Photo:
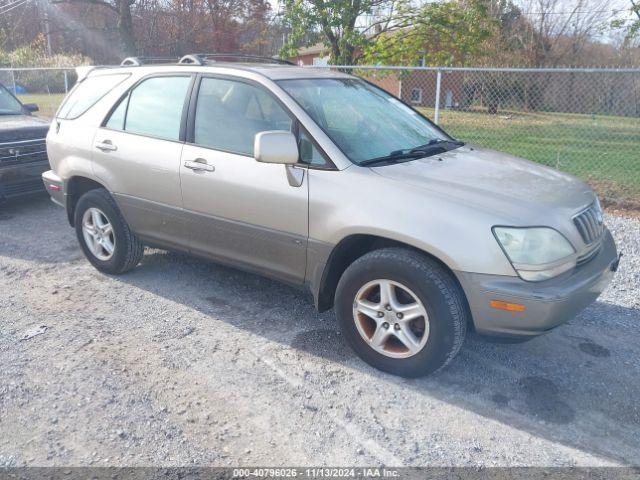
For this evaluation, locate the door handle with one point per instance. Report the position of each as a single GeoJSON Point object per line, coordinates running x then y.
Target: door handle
{"type": "Point", "coordinates": [106, 146]}
{"type": "Point", "coordinates": [199, 165]}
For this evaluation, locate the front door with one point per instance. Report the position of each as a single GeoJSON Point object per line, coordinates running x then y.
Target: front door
{"type": "Point", "coordinates": [137, 153]}
{"type": "Point", "coordinates": [241, 211]}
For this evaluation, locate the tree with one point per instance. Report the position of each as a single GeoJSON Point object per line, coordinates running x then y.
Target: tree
{"type": "Point", "coordinates": [340, 24]}
{"type": "Point", "coordinates": [124, 19]}
{"type": "Point", "coordinates": [559, 29]}
{"type": "Point", "coordinates": [446, 33]}
{"type": "Point", "coordinates": [630, 26]}
{"type": "Point", "coordinates": [635, 26]}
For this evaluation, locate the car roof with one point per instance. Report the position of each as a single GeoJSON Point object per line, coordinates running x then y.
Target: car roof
{"type": "Point", "coordinates": [269, 70]}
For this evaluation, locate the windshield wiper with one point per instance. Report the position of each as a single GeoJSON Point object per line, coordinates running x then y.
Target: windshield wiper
{"type": "Point", "coordinates": [393, 157]}
{"type": "Point", "coordinates": [436, 142]}
{"type": "Point", "coordinates": [434, 147]}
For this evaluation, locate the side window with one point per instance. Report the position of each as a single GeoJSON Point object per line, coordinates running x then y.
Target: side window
{"type": "Point", "coordinates": [116, 120]}
{"type": "Point", "coordinates": [87, 93]}
{"type": "Point", "coordinates": [229, 113]}
{"type": "Point", "coordinates": [309, 154]}
{"type": "Point", "coordinates": [155, 107]}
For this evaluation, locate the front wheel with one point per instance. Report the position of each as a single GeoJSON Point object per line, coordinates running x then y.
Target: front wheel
{"type": "Point", "coordinates": [401, 311]}
{"type": "Point", "coordinates": [104, 235]}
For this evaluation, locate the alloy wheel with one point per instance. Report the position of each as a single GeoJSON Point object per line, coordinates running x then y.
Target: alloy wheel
{"type": "Point", "coordinates": [391, 318]}
{"type": "Point", "coordinates": [98, 234]}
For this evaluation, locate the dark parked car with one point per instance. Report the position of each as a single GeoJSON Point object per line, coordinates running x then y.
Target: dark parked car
{"type": "Point", "coordinates": [23, 153]}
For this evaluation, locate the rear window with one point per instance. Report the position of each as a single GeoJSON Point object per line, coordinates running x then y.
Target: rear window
{"type": "Point", "coordinates": [87, 93]}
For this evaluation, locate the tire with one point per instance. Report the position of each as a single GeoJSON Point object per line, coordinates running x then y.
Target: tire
{"type": "Point", "coordinates": [127, 250]}
{"type": "Point", "coordinates": [410, 274]}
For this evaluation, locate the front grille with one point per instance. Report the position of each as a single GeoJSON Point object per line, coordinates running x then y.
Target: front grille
{"type": "Point", "coordinates": [27, 151]}
{"type": "Point", "coordinates": [589, 223]}
{"type": "Point", "coordinates": [21, 187]}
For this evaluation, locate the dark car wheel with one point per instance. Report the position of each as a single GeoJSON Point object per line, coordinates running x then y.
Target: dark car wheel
{"type": "Point", "coordinates": [401, 311]}
{"type": "Point", "coordinates": [104, 235]}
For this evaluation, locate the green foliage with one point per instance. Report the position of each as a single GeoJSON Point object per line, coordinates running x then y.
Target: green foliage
{"type": "Point", "coordinates": [34, 55]}
{"type": "Point", "coordinates": [629, 26]}
{"type": "Point", "coordinates": [331, 21]}
{"type": "Point", "coordinates": [443, 34]}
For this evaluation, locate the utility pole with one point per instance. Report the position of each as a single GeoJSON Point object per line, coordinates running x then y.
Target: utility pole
{"type": "Point", "coordinates": [43, 7]}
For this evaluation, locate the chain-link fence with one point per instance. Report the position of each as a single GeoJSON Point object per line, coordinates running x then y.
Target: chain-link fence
{"type": "Point", "coordinates": [583, 121]}
{"type": "Point", "coordinates": [45, 87]}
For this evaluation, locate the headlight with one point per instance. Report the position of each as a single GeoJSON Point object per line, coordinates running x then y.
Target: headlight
{"type": "Point", "coordinates": [537, 253]}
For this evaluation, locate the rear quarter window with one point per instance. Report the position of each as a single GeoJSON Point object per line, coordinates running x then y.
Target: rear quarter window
{"type": "Point", "coordinates": [87, 93]}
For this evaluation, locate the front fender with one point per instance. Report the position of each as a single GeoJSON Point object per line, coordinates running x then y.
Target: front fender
{"type": "Point", "coordinates": [356, 201]}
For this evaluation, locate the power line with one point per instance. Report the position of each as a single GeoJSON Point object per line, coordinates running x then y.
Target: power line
{"type": "Point", "coordinates": [9, 3]}
{"type": "Point", "coordinates": [19, 4]}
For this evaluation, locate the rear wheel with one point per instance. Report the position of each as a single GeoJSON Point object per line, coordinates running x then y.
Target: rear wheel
{"type": "Point", "coordinates": [104, 235]}
{"type": "Point", "coordinates": [401, 311]}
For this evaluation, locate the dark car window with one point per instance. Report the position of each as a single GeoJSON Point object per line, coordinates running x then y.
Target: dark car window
{"type": "Point", "coordinates": [154, 107]}
{"type": "Point", "coordinates": [229, 114]}
{"type": "Point", "coordinates": [309, 154]}
{"type": "Point", "coordinates": [8, 103]}
{"type": "Point", "coordinates": [87, 93]}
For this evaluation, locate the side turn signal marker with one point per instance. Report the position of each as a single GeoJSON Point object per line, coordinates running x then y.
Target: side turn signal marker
{"type": "Point", "coordinates": [510, 307]}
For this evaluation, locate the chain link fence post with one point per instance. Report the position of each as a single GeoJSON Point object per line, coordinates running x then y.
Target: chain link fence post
{"type": "Point", "coordinates": [13, 81]}
{"type": "Point", "coordinates": [436, 112]}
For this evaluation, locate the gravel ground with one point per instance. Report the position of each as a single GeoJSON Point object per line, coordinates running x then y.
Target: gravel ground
{"type": "Point", "coordinates": [183, 362]}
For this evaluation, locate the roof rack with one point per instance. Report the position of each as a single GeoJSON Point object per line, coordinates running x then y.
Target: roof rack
{"type": "Point", "coordinates": [192, 59]}
{"type": "Point", "coordinates": [202, 58]}
{"type": "Point", "coordinates": [137, 61]}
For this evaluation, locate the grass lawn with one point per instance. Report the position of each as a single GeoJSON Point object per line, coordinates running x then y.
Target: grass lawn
{"type": "Point", "coordinates": [604, 150]}
{"type": "Point", "coordinates": [48, 103]}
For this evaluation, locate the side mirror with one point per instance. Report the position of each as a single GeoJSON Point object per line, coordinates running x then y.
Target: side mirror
{"type": "Point", "coordinates": [275, 146]}
{"type": "Point", "coordinates": [31, 107]}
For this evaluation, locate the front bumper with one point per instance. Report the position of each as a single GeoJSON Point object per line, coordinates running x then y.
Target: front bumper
{"type": "Point", "coordinates": [547, 304]}
{"type": "Point", "coordinates": [21, 179]}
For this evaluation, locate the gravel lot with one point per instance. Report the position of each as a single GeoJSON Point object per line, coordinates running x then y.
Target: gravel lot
{"type": "Point", "coordinates": [183, 362]}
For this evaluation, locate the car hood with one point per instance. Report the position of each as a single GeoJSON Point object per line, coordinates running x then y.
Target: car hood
{"type": "Point", "coordinates": [521, 191]}
{"type": "Point", "coordinates": [22, 127]}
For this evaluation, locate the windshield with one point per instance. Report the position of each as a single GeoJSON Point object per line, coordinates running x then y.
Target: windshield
{"type": "Point", "coordinates": [8, 103]}
{"type": "Point", "coordinates": [364, 121]}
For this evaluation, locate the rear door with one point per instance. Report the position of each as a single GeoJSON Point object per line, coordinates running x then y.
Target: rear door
{"type": "Point", "coordinates": [241, 211]}
{"type": "Point", "coordinates": [137, 151]}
